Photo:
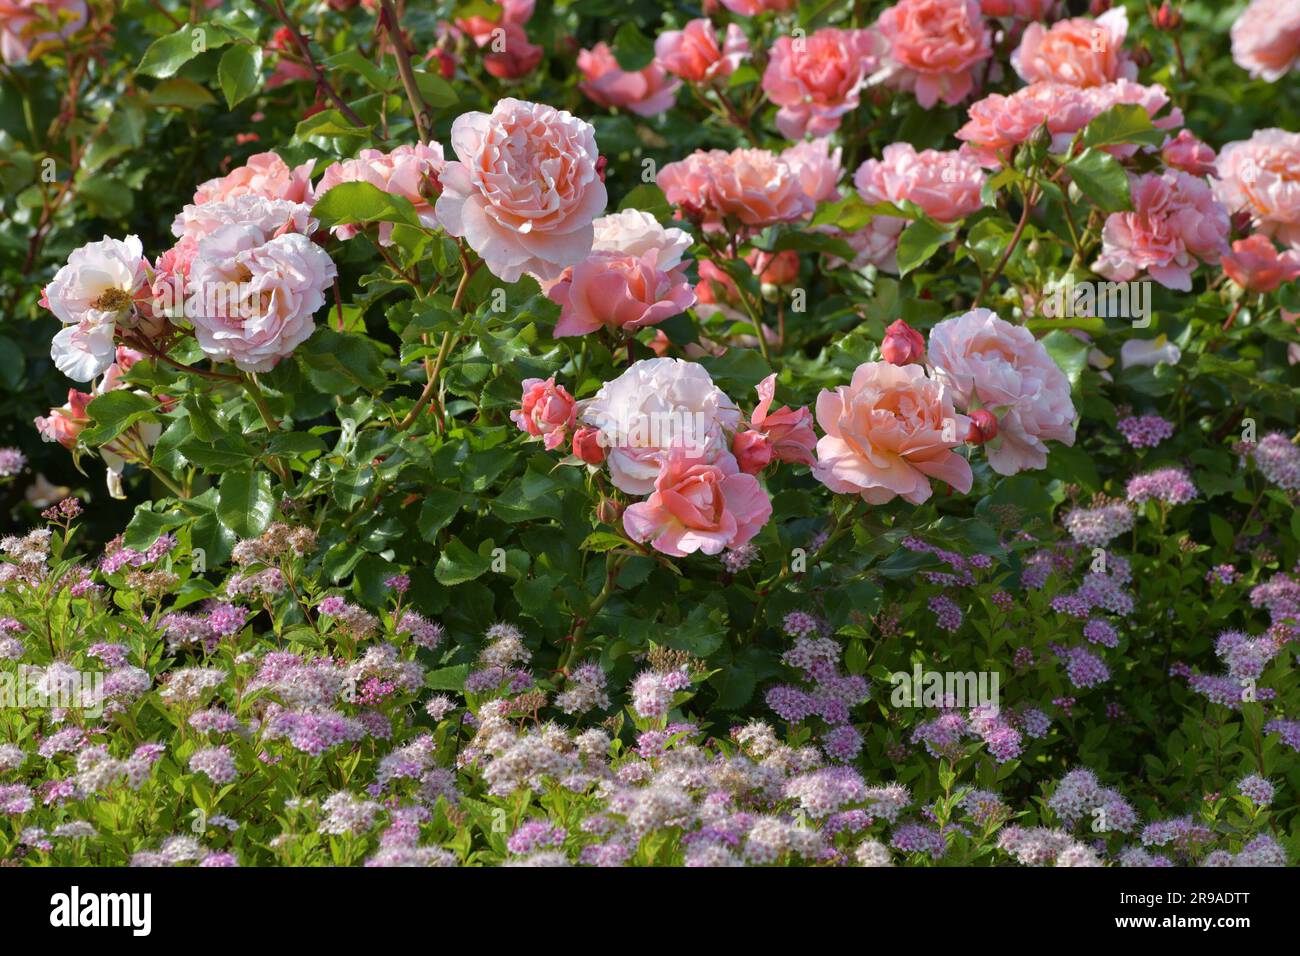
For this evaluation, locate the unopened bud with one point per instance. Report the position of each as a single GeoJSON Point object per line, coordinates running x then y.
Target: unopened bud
{"type": "Point", "coordinates": [608, 511]}
{"type": "Point", "coordinates": [983, 427]}
{"type": "Point", "coordinates": [1167, 18]}
{"type": "Point", "coordinates": [903, 345]}
{"type": "Point", "coordinates": [587, 446]}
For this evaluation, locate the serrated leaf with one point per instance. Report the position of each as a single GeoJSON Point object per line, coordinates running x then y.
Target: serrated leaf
{"type": "Point", "coordinates": [245, 502]}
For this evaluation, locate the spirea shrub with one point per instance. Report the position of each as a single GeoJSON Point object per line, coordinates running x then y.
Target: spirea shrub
{"type": "Point", "coordinates": [621, 435]}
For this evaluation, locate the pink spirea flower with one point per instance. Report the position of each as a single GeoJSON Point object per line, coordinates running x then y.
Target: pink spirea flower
{"type": "Point", "coordinates": [26, 23]}
{"type": "Point", "coordinates": [1189, 154]}
{"type": "Point", "coordinates": [694, 54]}
{"type": "Point", "coordinates": [265, 174]}
{"type": "Point", "coordinates": [751, 186]}
{"type": "Point", "coordinates": [944, 184]}
{"type": "Point", "coordinates": [1078, 51]}
{"type": "Point", "coordinates": [646, 92]}
{"type": "Point", "coordinates": [989, 363]}
{"type": "Point", "coordinates": [1266, 39]}
{"type": "Point", "coordinates": [935, 47]}
{"type": "Point", "coordinates": [1261, 176]}
{"type": "Point", "coordinates": [816, 79]}
{"type": "Point", "coordinates": [818, 167]}
{"type": "Point", "coordinates": [1175, 222]}
{"type": "Point", "coordinates": [1169, 485]}
{"type": "Point", "coordinates": [698, 506]}
{"type": "Point", "coordinates": [408, 171]}
{"type": "Point", "coordinates": [1255, 264]}
{"type": "Point", "coordinates": [546, 411]}
{"type": "Point", "coordinates": [524, 190]}
{"type": "Point", "coordinates": [1145, 431]}
{"type": "Point", "coordinates": [887, 433]}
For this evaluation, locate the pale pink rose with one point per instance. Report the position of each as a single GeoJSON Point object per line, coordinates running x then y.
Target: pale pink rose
{"type": "Point", "coordinates": [167, 293]}
{"type": "Point", "coordinates": [1266, 39]}
{"type": "Point", "coordinates": [546, 411]}
{"type": "Point", "coordinates": [1189, 154]}
{"type": "Point", "coordinates": [408, 171]}
{"type": "Point", "coordinates": [753, 187]}
{"type": "Point", "coordinates": [1019, 9]}
{"type": "Point", "coordinates": [25, 24]}
{"type": "Point", "coordinates": [935, 47]}
{"type": "Point", "coordinates": [265, 174]}
{"type": "Point", "coordinates": [634, 233]}
{"type": "Point", "coordinates": [818, 168]}
{"type": "Point", "coordinates": [254, 296]}
{"type": "Point", "coordinates": [271, 216]}
{"type": "Point", "coordinates": [1254, 264]}
{"type": "Point", "coordinates": [656, 405]}
{"type": "Point", "coordinates": [512, 56]}
{"type": "Point", "coordinates": [1175, 222]}
{"type": "Point", "coordinates": [988, 363]}
{"type": "Point", "coordinates": [698, 506]}
{"type": "Point", "coordinates": [619, 291]}
{"type": "Point", "coordinates": [1078, 51]}
{"type": "Point", "coordinates": [647, 92]}
{"type": "Point", "coordinates": [752, 8]}
{"type": "Point", "coordinates": [1261, 176]}
{"type": "Point", "coordinates": [887, 433]}
{"type": "Point", "coordinates": [944, 184]}
{"type": "Point", "coordinates": [816, 79]}
{"type": "Point", "coordinates": [65, 423]}
{"type": "Point", "coordinates": [525, 189]}
{"type": "Point", "coordinates": [693, 54]}
{"type": "Point", "coordinates": [788, 431]}
{"type": "Point", "coordinates": [875, 244]}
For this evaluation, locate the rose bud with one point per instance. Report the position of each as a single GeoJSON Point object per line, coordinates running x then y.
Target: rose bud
{"type": "Point", "coordinates": [903, 345]}
{"type": "Point", "coordinates": [753, 451]}
{"type": "Point", "coordinates": [983, 427]}
{"type": "Point", "coordinates": [608, 511]}
{"type": "Point", "coordinates": [587, 446]}
{"type": "Point", "coordinates": [1167, 18]}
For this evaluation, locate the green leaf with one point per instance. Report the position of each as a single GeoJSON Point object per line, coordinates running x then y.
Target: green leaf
{"type": "Point", "coordinates": [458, 564]}
{"type": "Point", "coordinates": [358, 202]}
{"type": "Point", "coordinates": [182, 93]}
{"type": "Point", "coordinates": [436, 92]}
{"type": "Point", "coordinates": [920, 241]}
{"type": "Point", "coordinates": [632, 49]}
{"type": "Point", "coordinates": [240, 73]}
{"type": "Point", "coordinates": [245, 503]}
{"type": "Point", "coordinates": [648, 198]}
{"type": "Point", "coordinates": [168, 54]}
{"type": "Point", "coordinates": [1123, 123]}
{"type": "Point", "coordinates": [341, 362]}
{"type": "Point", "coordinates": [1101, 178]}
{"type": "Point", "coordinates": [1070, 354]}
{"type": "Point", "coordinates": [115, 412]}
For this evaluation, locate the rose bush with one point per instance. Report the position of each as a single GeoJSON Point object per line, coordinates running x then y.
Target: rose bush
{"type": "Point", "coordinates": [630, 434]}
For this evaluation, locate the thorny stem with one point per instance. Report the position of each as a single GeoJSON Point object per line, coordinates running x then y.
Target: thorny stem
{"type": "Point", "coordinates": [304, 48]}
{"type": "Point", "coordinates": [388, 20]}
{"type": "Point", "coordinates": [1030, 199]}
{"type": "Point", "coordinates": [444, 350]}
{"type": "Point", "coordinates": [613, 565]}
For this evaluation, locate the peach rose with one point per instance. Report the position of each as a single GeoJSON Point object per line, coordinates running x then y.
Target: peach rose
{"type": "Point", "coordinates": [944, 184]}
{"type": "Point", "coordinates": [545, 411]}
{"type": "Point", "coordinates": [988, 363]}
{"type": "Point", "coordinates": [888, 432]}
{"type": "Point", "coordinates": [408, 171]}
{"type": "Point", "coordinates": [525, 189]}
{"type": "Point", "coordinates": [698, 506]}
{"type": "Point", "coordinates": [28, 23]}
{"type": "Point", "coordinates": [65, 423]}
{"type": "Point", "coordinates": [1078, 51]}
{"type": "Point", "coordinates": [753, 187]}
{"type": "Point", "coordinates": [818, 167]}
{"type": "Point", "coordinates": [1266, 39]}
{"type": "Point", "coordinates": [788, 432]}
{"type": "Point", "coordinates": [1175, 221]}
{"type": "Point", "coordinates": [693, 54]}
{"type": "Point", "coordinates": [934, 47]}
{"type": "Point", "coordinates": [265, 174]}
{"type": "Point", "coordinates": [816, 79]}
{"type": "Point", "coordinates": [1261, 176]}
{"type": "Point", "coordinates": [647, 92]}
{"type": "Point", "coordinates": [1189, 154]}
{"type": "Point", "coordinates": [619, 291]}
{"type": "Point", "coordinates": [774, 268]}
{"type": "Point", "coordinates": [1254, 264]}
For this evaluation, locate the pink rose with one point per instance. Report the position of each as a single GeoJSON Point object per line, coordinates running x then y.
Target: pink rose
{"type": "Point", "coordinates": [647, 92]}
{"type": "Point", "coordinates": [619, 291]}
{"type": "Point", "coordinates": [1018, 9]}
{"type": "Point", "coordinates": [1261, 176]}
{"type": "Point", "coordinates": [983, 427]}
{"type": "Point", "coordinates": [272, 216]}
{"type": "Point", "coordinates": [935, 46]}
{"type": "Point", "coordinates": [753, 187]}
{"type": "Point", "coordinates": [513, 57]}
{"type": "Point", "coordinates": [265, 174]}
{"type": "Point", "coordinates": [546, 411]}
{"type": "Point", "coordinates": [874, 244]}
{"type": "Point", "coordinates": [752, 451]}
{"type": "Point", "coordinates": [774, 268]}
{"type": "Point", "coordinates": [988, 363]}
{"type": "Point", "coordinates": [697, 506]}
{"type": "Point", "coordinates": [1189, 154]}
{"type": "Point", "coordinates": [525, 189]}
{"type": "Point", "coordinates": [1266, 39]}
{"type": "Point", "coordinates": [945, 185]}
{"type": "Point", "coordinates": [408, 171]}
{"type": "Point", "coordinates": [752, 8]}
{"type": "Point", "coordinates": [788, 431]}
{"type": "Point", "coordinates": [692, 53]}
{"type": "Point", "coordinates": [65, 423]}
{"type": "Point", "coordinates": [587, 445]}
{"type": "Point", "coordinates": [1254, 264]}
{"type": "Point", "coordinates": [816, 79]}
{"type": "Point", "coordinates": [634, 233]}
{"type": "Point", "coordinates": [1175, 221]}
{"type": "Point", "coordinates": [28, 23]}
{"type": "Point", "coordinates": [1078, 51]}
{"type": "Point", "coordinates": [817, 166]}
{"type": "Point", "coordinates": [903, 345]}
{"type": "Point", "coordinates": [888, 432]}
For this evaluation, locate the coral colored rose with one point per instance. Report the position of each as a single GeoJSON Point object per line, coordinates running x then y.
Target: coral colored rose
{"type": "Point", "coordinates": [1189, 154]}
{"type": "Point", "coordinates": [946, 185]}
{"type": "Point", "coordinates": [265, 174]}
{"type": "Point", "coordinates": [1266, 39]}
{"type": "Point", "coordinates": [1261, 176]}
{"type": "Point", "coordinates": [1018, 9]}
{"type": "Point", "coordinates": [1078, 51]}
{"type": "Point", "coordinates": [779, 268]}
{"type": "Point", "coordinates": [1175, 221]}
{"type": "Point", "coordinates": [25, 24]}
{"type": "Point", "coordinates": [411, 172]}
{"type": "Point", "coordinates": [693, 54]}
{"type": "Point", "coordinates": [545, 411]}
{"type": "Point", "coordinates": [903, 345]}
{"type": "Point", "coordinates": [647, 92]}
{"type": "Point", "coordinates": [587, 446]}
{"type": "Point", "coordinates": [634, 233]}
{"type": "Point", "coordinates": [983, 427]}
{"type": "Point", "coordinates": [992, 364]}
{"type": "Point", "coordinates": [816, 79]}
{"type": "Point", "coordinates": [752, 8]}
{"type": "Point", "coordinates": [65, 423]}
{"type": "Point", "coordinates": [789, 431]}
{"type": "Point", "coordinates": [525, 189]}
{"type": "Point", "coordinates": [753, 187]}
{"type": "Point", "coordinates": [619, 291]}
{"type": "Point", "coordinates": [934, 47]}
{"type": "Point", "coordinates": [887, 433]}
{"type": "Point", "coordinates": [698, 506]}
{"type": "Point", "coordinates": [1254, 264]}
{"type": "Point", "coordinates": [818, 168]}
{"type": "Point", "coordinates": [512, 57]}
{"type": "Point", "coordinates": [752, 451]}
{"type": "Point", "coordinates": [657, 405]}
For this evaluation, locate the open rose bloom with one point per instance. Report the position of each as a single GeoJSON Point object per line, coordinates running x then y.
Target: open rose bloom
{"type": "Point", "coordinates": [265, 174]}
{"type": "Point", "coordinates": [546, 411]}
{"type": "Point", "coordinates": [1261, 176]}
{"type": "Point", "coordinates": [1255, 264]}
{"type": "Point", "coordinates": [647, 92]}
{"type": "Point", "coordinates": [1266, 39]}
{"type": "Point", "coordinates": [1078, 52]}
{"type": "Point", "coordinates": [935, 47]}
{"type": "Point", "coordinates": [408, 171]}
{"type": "Point", "coordinates": [816, 79]}
{"type": "Point", "coordinates": [753, 187]}
{"type": "Point", "coordinates": [694, 54]}
{"type": "Point", "coordinates": [103, 286]}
